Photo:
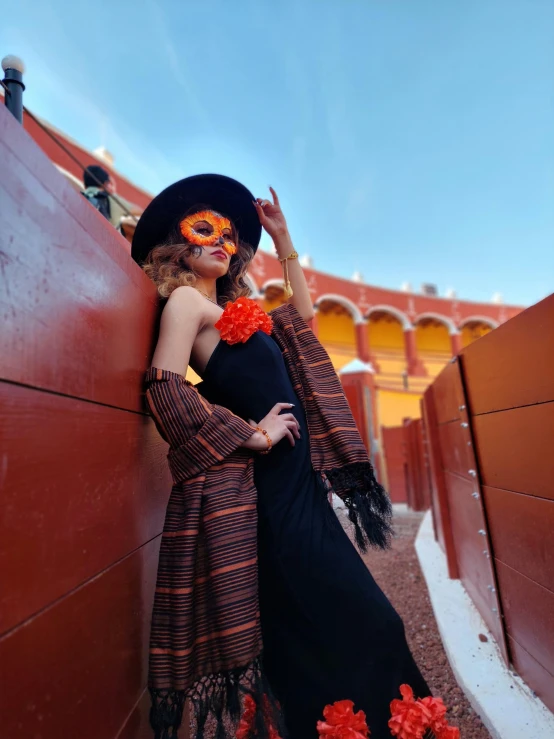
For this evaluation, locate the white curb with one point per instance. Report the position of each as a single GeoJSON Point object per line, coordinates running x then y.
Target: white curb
{"type": "Point", "coordinates": [506, 705]}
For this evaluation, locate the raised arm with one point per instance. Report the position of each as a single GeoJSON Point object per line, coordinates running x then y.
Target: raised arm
{"type": "Point", "coordinates": [272, 219]}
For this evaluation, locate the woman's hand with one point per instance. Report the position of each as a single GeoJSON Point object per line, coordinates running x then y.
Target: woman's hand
{"type": "Point", "coordinates": [277, 425]}
{"type": "Point", "coordinates": [272, 219]}
{"type": "Point", "coordinates": [271, 216]}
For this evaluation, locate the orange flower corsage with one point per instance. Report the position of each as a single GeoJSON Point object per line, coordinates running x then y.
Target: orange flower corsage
{"type": "Point", "coordinates": [242, 318]}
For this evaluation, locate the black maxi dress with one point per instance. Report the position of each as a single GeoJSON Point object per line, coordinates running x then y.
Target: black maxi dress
{"type": "Point", "coordinates": [329, 632]}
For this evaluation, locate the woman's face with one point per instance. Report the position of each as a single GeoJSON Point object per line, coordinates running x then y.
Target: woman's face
{"type": "Point", "coordinates": [215, 235]}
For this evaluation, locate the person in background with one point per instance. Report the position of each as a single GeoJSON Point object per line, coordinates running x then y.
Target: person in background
{"type": "Point", "coordinates": [98, 188]}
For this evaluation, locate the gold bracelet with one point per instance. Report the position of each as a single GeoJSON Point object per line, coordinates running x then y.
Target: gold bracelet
{"type": "Point", "coordinates": [284, 261]}
{"type": "Point", "coordinates": [268, 439]}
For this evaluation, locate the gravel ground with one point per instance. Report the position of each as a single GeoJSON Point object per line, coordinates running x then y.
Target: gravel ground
{"type": "Point", "coordinates": [399, 575]}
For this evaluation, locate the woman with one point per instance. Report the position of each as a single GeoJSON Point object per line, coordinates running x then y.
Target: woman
{"type": "Point", "coordinates": [252, 554]}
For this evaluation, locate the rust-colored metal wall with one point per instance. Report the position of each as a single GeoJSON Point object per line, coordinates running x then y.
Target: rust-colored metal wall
{"type": "Point", "coordinates": [490, 422]}
{"type": "Point", "coordinates": [417, 478]}
{"type": "Point", "coordinates": [84, 477]}
{"type": "Point", "coordinates": [395, 454]}
{"type": "Point", "coordinates": [353, 389]}
{"type": "Point", "coordinates": [510, 389]}
{"type": "Point", "coordinates": [408, 474]}
{"type": "Point", "coordinates": [439, 493]}
{"type": "Point", "coordinates": [460, 504]}
{"type": "Point", "coordinates": [360, 394]}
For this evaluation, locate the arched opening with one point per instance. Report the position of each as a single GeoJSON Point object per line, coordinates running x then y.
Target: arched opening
{"type": "Point", "coordinates": [386, 341]}
{"type": "Point", "coordinates": [473, 330]}
{"type": "Point", "coordinates": [336, 331]}
{"type": "Point", "coordinates": [273, 295]}
{"type": "Point", "coordinates": [433, 345]}
{"type": "Point", "coordinates": [350, 307]}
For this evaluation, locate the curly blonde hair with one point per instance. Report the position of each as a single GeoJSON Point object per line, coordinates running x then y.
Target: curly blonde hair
{"type": "Point", "coordinates": [167, 268]}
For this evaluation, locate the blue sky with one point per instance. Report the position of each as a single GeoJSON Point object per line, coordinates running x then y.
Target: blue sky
{"type": "Point", "coordinates": [412, 140]}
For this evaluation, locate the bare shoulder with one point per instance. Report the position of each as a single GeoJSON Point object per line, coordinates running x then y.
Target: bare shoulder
{"type": "Point", "coordinates": [184, 302]}
{"type": "Point", "coordinates": [182, 319]}
{"type": "Point", "coordinates": [185, 295]}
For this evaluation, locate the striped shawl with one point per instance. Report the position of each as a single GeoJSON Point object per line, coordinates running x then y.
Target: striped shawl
{"type": "Point", "coordinates": [206, 637]}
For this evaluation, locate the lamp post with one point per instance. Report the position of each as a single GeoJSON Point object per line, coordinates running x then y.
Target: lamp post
{"type": "Point", "coordinates": [13, 85]}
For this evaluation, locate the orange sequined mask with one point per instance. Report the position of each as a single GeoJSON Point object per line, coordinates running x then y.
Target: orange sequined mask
{"type": "Point", "coordinates": [207, 228]}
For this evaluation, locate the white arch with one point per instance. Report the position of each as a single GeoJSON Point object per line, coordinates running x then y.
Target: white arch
{"type": "Point", "coordinates": [479, 319]}
{"type": "Point", "coordinates": [351, 307]}
{"type": "Point", "coordinates": [273, 283]}
{"type": "Point", "coordinates": [402, 317]}
{"type": "Point", "coordinates": [448, 322]}
{"type": "Point", "coordinates": [251, 282]}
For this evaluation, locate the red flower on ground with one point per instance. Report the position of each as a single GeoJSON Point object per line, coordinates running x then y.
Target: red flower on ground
{"type": "Point", "coordinates": [437, 709]}
{"type": "Point", "coordinates": [242, 318]}
{"type": "Point", "coordinates": [342, 723]}
{"type": "Point", "coordinates": [438, 723]}
{"type": "Point", "coordinates": [409, 718]}
{"type": "Point", "coordinates": [245, 729]}
{"type": "Point", "coordinates": [274, 734]}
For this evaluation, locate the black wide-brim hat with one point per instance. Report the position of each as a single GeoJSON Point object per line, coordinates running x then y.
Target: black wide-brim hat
{"type": "Point", "coordinates": [222, 194]}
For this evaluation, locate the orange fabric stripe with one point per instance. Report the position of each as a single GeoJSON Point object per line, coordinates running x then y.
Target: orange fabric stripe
{"type": "Point", "coordinates": [226, 632]}
{"type": "Point", "coordinates": [172, 652]}
{"type": "Point", "coordinates": [184, 532]}
{"type": "Point", "coordinates": [332, 431]}
{"type": "Point", "coordinates": [174, 591]}
{"type": "Point", "coordinates": [229, 511]}
{"type": "Point", "coordinates": [198, 478]}
{"type": "Point", "coordinates": [204, 402]}
{"type": "Point", "coordinates": [228, 568]}
{"type": "Point", "coordinates": [209, 447]}
{"type": "Point", "coordinates": [232, 568]}
{"type": "Point", "coordinates": [204, 639]}
{"type": "Point", "coordinates": [231, 465]}
{"type": "Point", "coordinates": [318, 364]}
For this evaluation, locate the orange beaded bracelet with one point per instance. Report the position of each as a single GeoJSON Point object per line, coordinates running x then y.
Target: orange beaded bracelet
{"type": "Point", "coordinates": [268, 439]}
